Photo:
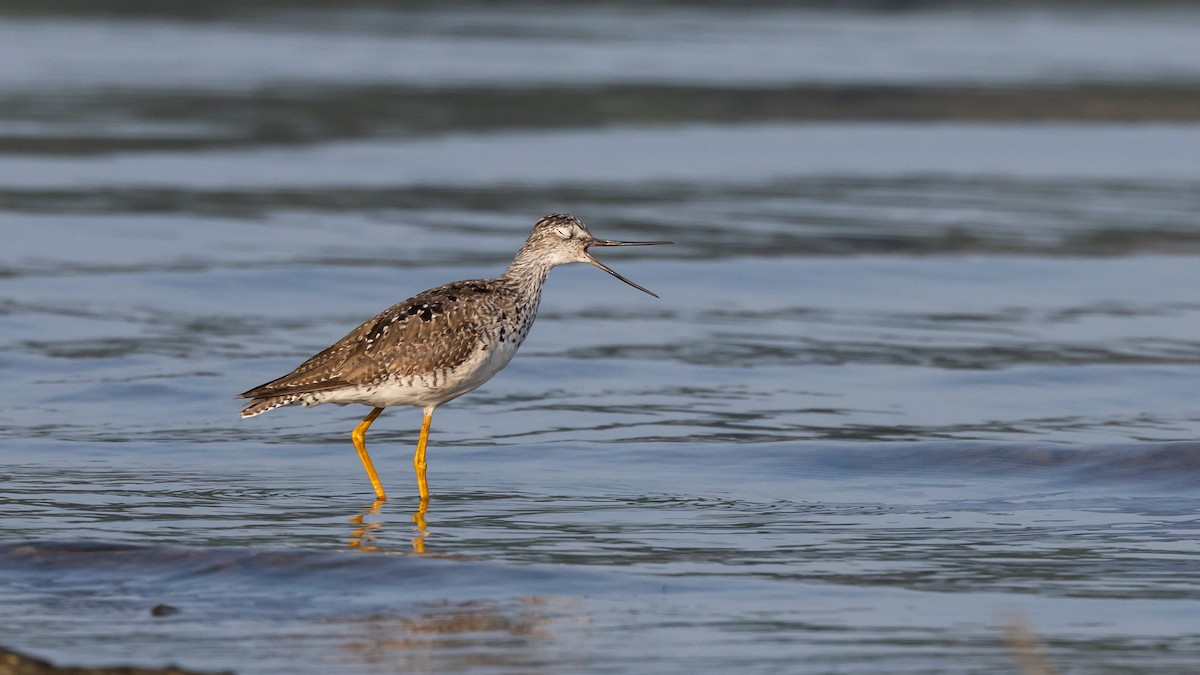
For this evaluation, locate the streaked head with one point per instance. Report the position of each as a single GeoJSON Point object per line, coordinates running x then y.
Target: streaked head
{"type": "Point", "coordinates": [559, 239]}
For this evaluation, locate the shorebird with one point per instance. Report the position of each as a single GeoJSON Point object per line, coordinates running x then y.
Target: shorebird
{"type": "Point", "coordinates": [437, 345]}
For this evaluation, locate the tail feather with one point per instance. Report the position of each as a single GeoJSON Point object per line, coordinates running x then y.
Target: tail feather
{"type": "Point", "coordinates": [259, 406]}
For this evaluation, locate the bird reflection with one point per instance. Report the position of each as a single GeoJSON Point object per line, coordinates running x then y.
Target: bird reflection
{"type": "Point", "coordinates": [451, 637]}
{"type": "Point", "coordinates": [419, 519]}
{"type": "Point", "coordinates": [362, 537]}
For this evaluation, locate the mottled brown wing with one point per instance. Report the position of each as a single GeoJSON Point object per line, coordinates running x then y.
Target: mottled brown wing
{"type": "Point", "coordinates": [437, 329]}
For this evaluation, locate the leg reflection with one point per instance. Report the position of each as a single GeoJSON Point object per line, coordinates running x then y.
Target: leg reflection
{"type": "Point", "coordinates": [362, 537]}
{"type": "Point", "coordinates": [419, 519]}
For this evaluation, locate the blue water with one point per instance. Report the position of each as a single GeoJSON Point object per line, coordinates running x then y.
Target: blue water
{"type": "Point", "coordinates": [916, 382]}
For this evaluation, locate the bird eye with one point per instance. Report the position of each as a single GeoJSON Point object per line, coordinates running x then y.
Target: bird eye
{"type": "Point", "coordinates": [564, 232]}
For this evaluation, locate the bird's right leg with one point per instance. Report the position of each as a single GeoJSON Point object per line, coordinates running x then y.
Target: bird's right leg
{"type": "Point", "coordinates": [419, 457]}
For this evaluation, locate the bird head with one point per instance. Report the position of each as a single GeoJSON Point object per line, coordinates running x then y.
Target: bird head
{"type": "Point", "coordinates": [559, 239]}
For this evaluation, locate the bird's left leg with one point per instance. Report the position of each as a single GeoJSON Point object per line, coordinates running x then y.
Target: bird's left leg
{"type": "Point", "coordinates": [359, 436]}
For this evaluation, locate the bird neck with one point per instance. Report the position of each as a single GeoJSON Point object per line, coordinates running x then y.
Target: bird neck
{"type": "Point", "coordinates": [527, 273]}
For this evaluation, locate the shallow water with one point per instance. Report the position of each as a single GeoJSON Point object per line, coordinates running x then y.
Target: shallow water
{"type": "Point", "coordinates": [915, 380]}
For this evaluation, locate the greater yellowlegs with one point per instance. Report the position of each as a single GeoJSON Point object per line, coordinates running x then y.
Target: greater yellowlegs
{"type": "Point", "coordinates": [436, 345]}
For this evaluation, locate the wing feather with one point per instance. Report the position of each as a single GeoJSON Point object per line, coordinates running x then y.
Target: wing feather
{"type": "Point", "coordinates": [434, 330]}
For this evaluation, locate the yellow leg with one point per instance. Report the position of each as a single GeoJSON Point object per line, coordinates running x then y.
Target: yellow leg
{"type": "Point", "coordinates": [422, 485]}
{"type": "Point", "coordinates": [419, 518]}
{"type": "Point", "coordinates": [359, 436]}
{"type": "Point", "coordinates": [419, 458]}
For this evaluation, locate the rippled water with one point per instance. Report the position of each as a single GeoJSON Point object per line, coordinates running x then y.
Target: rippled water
{"type": "Point", "coordinates": [921, 379]}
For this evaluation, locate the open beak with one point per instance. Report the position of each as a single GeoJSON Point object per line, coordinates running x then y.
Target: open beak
{"type": "Point", "coordinates": [608, 242]}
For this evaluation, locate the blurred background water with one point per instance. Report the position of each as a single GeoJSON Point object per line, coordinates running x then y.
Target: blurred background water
{"type": "Point", "coordinates": [923, 372]}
